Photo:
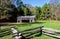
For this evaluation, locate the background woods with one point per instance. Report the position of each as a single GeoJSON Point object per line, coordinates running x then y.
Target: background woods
{"type": "Point", "coordinates": [9, 11]}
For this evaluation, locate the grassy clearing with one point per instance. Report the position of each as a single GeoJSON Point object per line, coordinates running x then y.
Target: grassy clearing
{"type": "Point", "coordinates": [47, 24]}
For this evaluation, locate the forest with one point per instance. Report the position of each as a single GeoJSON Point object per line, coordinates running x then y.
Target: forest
{"type": "Point", "coordinates": [10, 9]}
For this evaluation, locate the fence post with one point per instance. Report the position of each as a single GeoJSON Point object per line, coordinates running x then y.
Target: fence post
{"type": "Point", "coordinates": [41, 30]}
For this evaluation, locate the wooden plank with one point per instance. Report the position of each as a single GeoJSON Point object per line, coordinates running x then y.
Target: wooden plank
{"type": "Point", "coordinates": [54, 36]}
{"type": "Point", "coordinates": [30, 32]}
{"type": "Point", "coordinates": [49, 32]}
{"type": "Point", "coordinates": [32, 29]}
{"type": "Point", "coordinates": [54, 30]}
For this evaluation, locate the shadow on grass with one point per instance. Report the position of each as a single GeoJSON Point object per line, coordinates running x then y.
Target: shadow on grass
{"type": "Point", "coordinates": [3, 24]}
{"type": "Point", "coordinates": [37, 35]}
{"type": "Point", "coordinates": [21, 25]}
{"type": "Point", "coordinates": [33, 36]}
{"type": "Point", "coordinates": [29, 24]}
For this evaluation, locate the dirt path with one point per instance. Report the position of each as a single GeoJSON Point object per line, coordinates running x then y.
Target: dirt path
{"type": "Point", "coordinates": [10, 23]}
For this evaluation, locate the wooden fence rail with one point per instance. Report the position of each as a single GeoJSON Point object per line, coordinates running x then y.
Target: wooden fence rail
{"type": "Point", "coordinates": [51, 32]}
{"type": "Point", "coordinates": [4, 32]}
{"type": "Point", "coordinates": [32, 29]}
{"type": "Point", "coordinates": [20, 35]}
{"type": "Point", "coordinates": [26, 34]}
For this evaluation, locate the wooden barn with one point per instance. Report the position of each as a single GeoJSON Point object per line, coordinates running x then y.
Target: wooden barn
{"type": "Point", "coordinates": [30, 18]}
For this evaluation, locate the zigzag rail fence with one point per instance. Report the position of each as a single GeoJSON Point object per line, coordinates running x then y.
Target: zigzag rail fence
{"type": "Point", "coordinates": [39, 31]}
{"type": "Point", "coordinates": [29, 33]}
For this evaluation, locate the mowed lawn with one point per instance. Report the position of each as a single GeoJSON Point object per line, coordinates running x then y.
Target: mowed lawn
{"type": "Point", "coordinates": [46, 24]}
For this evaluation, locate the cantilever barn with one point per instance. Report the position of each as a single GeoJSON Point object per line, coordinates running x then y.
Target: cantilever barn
{"type": "Point", "coordinates": [30, 18]}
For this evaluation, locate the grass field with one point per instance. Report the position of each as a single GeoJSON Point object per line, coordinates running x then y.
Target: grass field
{"type": "Point", "coordinates": [46, 24]}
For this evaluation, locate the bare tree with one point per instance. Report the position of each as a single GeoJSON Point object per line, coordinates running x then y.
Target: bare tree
{"type": "Point", "coordinates": [54, 8]}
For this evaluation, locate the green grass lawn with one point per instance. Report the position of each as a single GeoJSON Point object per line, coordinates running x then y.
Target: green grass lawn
{"type": "Point", "coordinates": [46, 24]}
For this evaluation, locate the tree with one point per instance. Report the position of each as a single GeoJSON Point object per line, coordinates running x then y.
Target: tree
{"type": "Point", "coordinates": [46, 12]}
{"type": "Point", "coordinates": [38, 12]}
{"type": "Point", "coordinates": [25, 11]}
{"type": "Point", "coordinates": [13, 13]}
{"type": "Point", "coordinates": [29, 9]}
{"type": "Point", "coordinates": [9, 11]}
{"type": "Point", "coordinates": [20, 8]}
{"type": "Point", "coordinates": [19, 3]}
{"type": "Point", "coordinates": [54, 8]}
{"type": "Point", "coordinates": [29, 13]}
